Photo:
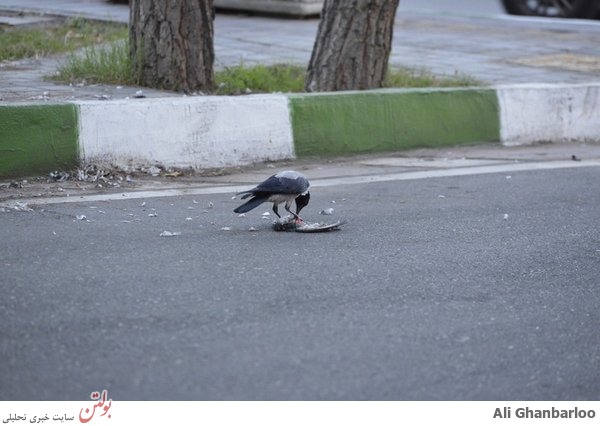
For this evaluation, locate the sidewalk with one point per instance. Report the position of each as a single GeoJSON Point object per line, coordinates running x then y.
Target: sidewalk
{"type": "Point", "coordinates": [559, 61]}
{"type": "Point", "coordinates": [491, 49]}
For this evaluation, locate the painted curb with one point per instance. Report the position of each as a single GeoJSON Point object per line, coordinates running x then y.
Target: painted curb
{"type": "Point", "coordinates": [37, 139]}
{"type": "Point", "coordinates": [387, 120]}
{"type": "Point", "coordinates": [219, 131]}
{"type": "Point", "coordinates": [191, 132]}
{"type": "Point", "coordinates": [536, 113]}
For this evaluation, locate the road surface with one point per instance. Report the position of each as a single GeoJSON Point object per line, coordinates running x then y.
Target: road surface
{"type": "Point", "coordinates": [455, 287]}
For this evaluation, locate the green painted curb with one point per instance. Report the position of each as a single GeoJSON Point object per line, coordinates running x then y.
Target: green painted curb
{"type": "Point", "coordinates": [37, 139]}
{"type": "Point", "coordinates": [385, 120]}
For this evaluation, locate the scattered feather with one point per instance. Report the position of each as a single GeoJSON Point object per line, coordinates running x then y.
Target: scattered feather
{"type": "Point", "coordinates": [21, 207]}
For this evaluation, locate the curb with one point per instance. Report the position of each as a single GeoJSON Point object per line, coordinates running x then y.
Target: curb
{"type": "Point", "coordinates": [387, 120]}
{"type": "Point", "coordinates": [35, 139]}
{"type": "Point", "coordinates": [188, 132]}
{"type": "Point", "coordinates": [534, 113]}
{"type": "Point", "coordinates": [226, 131]}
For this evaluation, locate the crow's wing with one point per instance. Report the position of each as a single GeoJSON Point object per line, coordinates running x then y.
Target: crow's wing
{"type": "Point", "coordinates": [283, 184]}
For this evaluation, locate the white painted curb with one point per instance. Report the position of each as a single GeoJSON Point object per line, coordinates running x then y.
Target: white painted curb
{"type": "Point", "coordinates": [549, 113]}
{"type": "Point", "coordinates": [196, 132]}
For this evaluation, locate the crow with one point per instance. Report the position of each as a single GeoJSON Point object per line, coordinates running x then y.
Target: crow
{"type": "Point", "coordinates": [283, 187]}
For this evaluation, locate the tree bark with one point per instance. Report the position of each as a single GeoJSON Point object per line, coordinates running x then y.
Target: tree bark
{"type": "Point", "coordinates": [171, 44]}
{"type": "Point", "coordinates": [353, 45]}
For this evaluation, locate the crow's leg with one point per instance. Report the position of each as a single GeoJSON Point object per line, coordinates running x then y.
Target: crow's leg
{"type": "Point", "coordinates": [276, 210]}
{"type": "Point", "coordinates": [296, 217]}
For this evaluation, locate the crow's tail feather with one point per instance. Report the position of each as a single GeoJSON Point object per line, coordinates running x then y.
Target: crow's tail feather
{"type": "Point", "coordinates": [246, 194]}
{"type": "Point", "coordinates": [250, 204]}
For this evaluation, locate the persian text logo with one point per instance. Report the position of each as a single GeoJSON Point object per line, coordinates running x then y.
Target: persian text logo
{"type": "Point", "coordinates": [103, 405]}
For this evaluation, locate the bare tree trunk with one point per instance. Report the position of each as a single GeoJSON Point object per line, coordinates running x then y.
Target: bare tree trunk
{"type": "Point", "coordinates": [353, 45]}
{"type": "Point", "coordinates": [171, 43]}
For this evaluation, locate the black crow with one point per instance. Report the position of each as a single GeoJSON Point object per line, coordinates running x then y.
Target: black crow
{"type": "Point", "coordinates": [283, 187]}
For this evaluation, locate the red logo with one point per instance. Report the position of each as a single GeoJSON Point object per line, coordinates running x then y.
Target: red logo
{"type": "Point", "coordinates": [103, 404]}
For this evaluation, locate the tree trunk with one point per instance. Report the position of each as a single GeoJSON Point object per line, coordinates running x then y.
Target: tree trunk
{"type": "Point", "coordinates": [171, 44]}
{"type": "Point", "coordinates": [353, 45]}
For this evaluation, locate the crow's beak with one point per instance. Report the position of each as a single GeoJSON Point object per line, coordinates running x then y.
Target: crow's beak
{"type": "Point", "coordinates": [301, 202]}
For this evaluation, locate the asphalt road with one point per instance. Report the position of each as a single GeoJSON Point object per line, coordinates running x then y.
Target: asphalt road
{"type": "Point", "coordinates": [477, 287]}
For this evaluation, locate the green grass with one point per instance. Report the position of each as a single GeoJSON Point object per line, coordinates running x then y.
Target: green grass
{"type": "Point", "coordinates": [111, 65]}
{"type": "Point", "coordinates": [290, 79]}
{"type": "Point", "coordinates": [26, 42]}
{"type": "Point", "coordinates": [98, 64]}
{"type": "Point", "coordinates": [404, 77]}
{"type": "Point", "coordinates": [242, 79]}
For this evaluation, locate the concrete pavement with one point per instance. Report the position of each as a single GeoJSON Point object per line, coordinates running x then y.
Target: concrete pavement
{"type": "Point", "coordinates": [558, 60]}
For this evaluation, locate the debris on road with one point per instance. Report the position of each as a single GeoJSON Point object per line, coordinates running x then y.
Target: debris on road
{"type": "Point", "coordinates": [59, 176]}
{"type": "Point", "coordinates": [153, 171]}
{"type": "Point", "coordinates": [319, 227]}
{"type": "Point", "coordinates": [19, 207]}
{"type": "Point", "coordinates": [289, 223]}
